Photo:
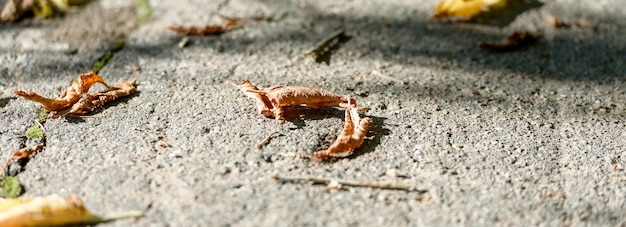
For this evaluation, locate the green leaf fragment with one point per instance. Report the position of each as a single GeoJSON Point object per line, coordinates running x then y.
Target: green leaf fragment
{"type": "Point", "coordinates": [102, 61]}
{"type": "Point", "coordinates": [43, 113]}
{"type": "Point", "coordinates": [35, 132]}
{"type": "Point", "coordinates": [10, 187]}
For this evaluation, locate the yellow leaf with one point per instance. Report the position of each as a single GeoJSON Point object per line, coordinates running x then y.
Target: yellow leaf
{"type": "Point", "coordinates": [50, 210]}
{"type": "Point", "coordinates": [466, 9]}
{"type": "Point", "coordinates": [495, 12]}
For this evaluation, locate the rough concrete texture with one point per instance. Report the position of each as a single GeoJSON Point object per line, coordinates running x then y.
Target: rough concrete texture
{"type": "Point", "coordinates": [527, 138]}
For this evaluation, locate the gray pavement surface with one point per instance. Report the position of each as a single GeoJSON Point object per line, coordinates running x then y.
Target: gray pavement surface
{"type": "Point", "coordinates": [534, 137]}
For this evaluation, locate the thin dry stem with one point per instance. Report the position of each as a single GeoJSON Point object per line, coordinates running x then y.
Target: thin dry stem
{"type": "Point", "coordinates": [371, 184]}
{"type": "Point", "coordinates": [379, 74]}
{"type": "Point", "coordinates": [266, 140]}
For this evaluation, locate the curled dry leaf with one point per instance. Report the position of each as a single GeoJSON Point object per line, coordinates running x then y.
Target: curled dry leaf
{"type": "Point", "coordinates": [51, 210]}
{"type": "Point", "coordinates": [76, 100]}
{"type": "Point", "coordinates": [89, 102]}
{"type": "Point", "coordinates": [271, 101]}
{"type": "Point", "coordinates": [69, 96]}
{"type": "Point", "coordinates": [229, 25]}
{"type": "Point", "coordinates": [514, 41]}
{"type": "Point", "coordinates": [351, 138]}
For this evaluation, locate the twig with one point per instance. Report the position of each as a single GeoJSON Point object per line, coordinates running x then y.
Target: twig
{"type": "Point", "coordinates": [379, 74]}
{"type": "Point", "coordinates": [322, 47]}
{"type": "Point", "coordinates": [371, 184]}
{"type": "Point", "coordinates": [266, 140]}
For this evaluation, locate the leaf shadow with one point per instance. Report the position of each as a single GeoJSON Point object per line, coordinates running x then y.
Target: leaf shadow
{"type": "Point", "coordinates": [4, 101]}
{"type": "Point", "coordinates": [326, 56]}
{"type": "Point", "coordinates": [300, 114]}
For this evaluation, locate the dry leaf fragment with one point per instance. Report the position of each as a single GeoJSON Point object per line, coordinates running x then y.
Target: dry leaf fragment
{"type": "Point", "coordinates": [51, 210]}
{"type": "Point", "coordinates": [270, 101]}
{"type": "Point", "coordinates": [514, 41]}
{"type": "Point", "coordinates": [229, 25]}
{"type": "Point", "coordinates": [69, 96]}
{"type": "Point", "coordinates": [14, 9]}
{"type": "Point", "coordinates": [263, 103]}
{"type": "Point", "coordinates": [22, 154]}
{"type": "Point", "coordinates": [89, 102]}
{"type": "Point", "coordinates": [351, 138]}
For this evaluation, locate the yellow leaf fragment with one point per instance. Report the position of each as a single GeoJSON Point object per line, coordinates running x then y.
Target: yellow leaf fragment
{"type": "Point", "coordinates": [494, 12]}
{"type": "Point", "coordinates": [69, 96]}
{"type": "Point", "coordinates": [351, 138]}
{"type": "Point", "coordinates": [466, 9]}
{"type": "Point", "coordinates": [50, 210]}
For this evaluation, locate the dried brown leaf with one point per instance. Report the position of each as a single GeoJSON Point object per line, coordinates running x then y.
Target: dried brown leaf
{"type": "Point", "coordinates": [23, 154]}
{"type": "Point", "coordinates": [351, 138]}
{"type": "Point", "coordinates": [88, 102]}
{"type": "Point", "coordinates": [229, 25]}
{"type": "Point", "coordinates": [270, 101]}
{"type": "Point", "coordinates": [68, 97]}
{"type": "Point", "coordinates": [263, 104]}
{"type": "Point", "coordinates": [514, 41]}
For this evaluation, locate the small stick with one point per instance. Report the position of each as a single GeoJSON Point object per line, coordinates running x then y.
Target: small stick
{"type": "Point", "coordinates": [266, 140]}
{"type": "Point", "coordinates": [379, 74]}
{"type": "Point", "coordinates": [322, 47]}
{"type": "Point", "coordinates": [372, 184]}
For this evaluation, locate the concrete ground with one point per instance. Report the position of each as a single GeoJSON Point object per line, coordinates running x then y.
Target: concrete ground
{"type": "Point", "coordinates": [526, 138]}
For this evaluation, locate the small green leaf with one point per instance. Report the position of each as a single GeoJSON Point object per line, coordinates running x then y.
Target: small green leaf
{"type": "Point", "coordinates": [35, 132]}
{"type": "Point", "coordinates": [10, 187]}
{"type": "Point", "coordinates": [43, 113]}
{"type": "Point", "coordinates": [102, 61]}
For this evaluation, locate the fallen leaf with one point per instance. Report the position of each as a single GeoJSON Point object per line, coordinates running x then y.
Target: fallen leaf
{"type": "Point", "coordinates": [26, 152]}
{"type": "Point", "coordinates": [352, 137]}
{"type": "Point", "coordinates": [14, 9]}
{"type": "Point", "coordinates": [271, 101]}
{"type": "Point", "coordinates": [76, 101]}
{"type": "Point", "coordinates": [21, 155]}
{"type": "Point", "coordinates": [52, 210]}
{"type": "Point", "coordinates": [494, 12]}
{"type": "Point", "coordinates": [229, 25]}
{"type": "Point", "coordinates": [512, 42]}
{"type": "Point", "coordinates": [69, 96]}
{"type": "Point", "coordinates": [89, 102]}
